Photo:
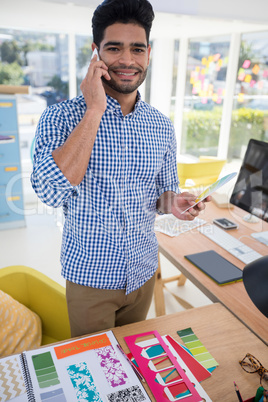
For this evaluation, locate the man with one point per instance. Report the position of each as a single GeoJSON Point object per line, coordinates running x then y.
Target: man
{"type": "Point", "coordinates": [109, 159]}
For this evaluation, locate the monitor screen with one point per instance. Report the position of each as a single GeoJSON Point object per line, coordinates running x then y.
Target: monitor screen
{"type": "Point", "coordinates": [251, 189]}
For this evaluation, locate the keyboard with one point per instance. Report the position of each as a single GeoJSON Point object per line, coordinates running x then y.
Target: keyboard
{"type": "Point", "coordinates": [229, 243]}
{"type": "Point", "coordinates": [172, 226]}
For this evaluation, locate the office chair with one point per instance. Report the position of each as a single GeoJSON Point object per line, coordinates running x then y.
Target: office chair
{"type": "Point", "coordinates": [255, 278]}
{"type": "Point", "coordinates": [200, 174]}
{"type": "Point", "coordinates": [41, 295]}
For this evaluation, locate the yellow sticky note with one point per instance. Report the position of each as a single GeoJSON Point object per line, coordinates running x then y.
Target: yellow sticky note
{"type": "Point", "coordinates": [248, 78]}
{"type": "Point", "coordinates": [241, 97]}
{"type": "Point", "coordinates": [215, 97]}
{"type": "Point", "coordinates": [256, 69]}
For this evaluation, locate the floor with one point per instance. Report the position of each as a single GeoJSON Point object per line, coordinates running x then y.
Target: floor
{"type": "Point", "coordinates": [37, 245]}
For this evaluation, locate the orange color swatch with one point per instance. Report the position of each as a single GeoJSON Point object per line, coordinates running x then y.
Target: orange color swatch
{"type": "Point", "coordinates": [82, 345]}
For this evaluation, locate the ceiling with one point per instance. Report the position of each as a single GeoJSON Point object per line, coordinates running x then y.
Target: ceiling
{"type": "Point", "coordinates": [244, 10]}
{"type": "Point", "coordinates": [174, 18]}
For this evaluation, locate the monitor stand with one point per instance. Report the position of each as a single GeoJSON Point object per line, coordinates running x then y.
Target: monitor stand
{"type": "Point", "coordinates": [249, 218]}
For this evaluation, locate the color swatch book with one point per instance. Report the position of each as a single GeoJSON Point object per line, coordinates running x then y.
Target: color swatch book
{"type": "Point", "coordinates": [170, 376]}
{"type": "Point", "coordinates": [86, 369]}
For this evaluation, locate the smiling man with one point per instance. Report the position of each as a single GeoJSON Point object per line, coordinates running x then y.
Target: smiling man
{"type": "Point", "coordinates": [109, 159]}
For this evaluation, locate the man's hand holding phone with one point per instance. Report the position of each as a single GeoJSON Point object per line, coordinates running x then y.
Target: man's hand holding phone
{"type": "Point", "coordinates": [92, 87]}
{"type": "Point", "coordinates": [185, 208]}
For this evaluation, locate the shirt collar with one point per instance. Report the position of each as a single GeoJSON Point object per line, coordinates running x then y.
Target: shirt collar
{"type": "Point", "coordinates": [113, 105]}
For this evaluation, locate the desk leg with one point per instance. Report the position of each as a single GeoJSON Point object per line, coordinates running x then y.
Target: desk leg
{"type": "Point", "coordinates": [159, 299]}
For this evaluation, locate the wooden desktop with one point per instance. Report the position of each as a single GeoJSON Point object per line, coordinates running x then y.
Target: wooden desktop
{"type": "Point", "coordinates": [232, 296]}
{"type": "Point", "coordinates": [224, 336]}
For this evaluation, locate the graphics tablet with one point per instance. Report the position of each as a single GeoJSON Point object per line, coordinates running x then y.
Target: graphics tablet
{"type": "Point", "coordinates": [216, 267]}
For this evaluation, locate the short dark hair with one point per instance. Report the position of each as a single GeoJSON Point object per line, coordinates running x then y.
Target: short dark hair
{"type": "Point", "coordinates": [109, 12]}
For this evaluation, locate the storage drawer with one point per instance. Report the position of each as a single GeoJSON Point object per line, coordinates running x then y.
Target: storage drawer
{"type": "Point", "coordinates": [8, 115]}
{"type": "Point", "coordinates": [11, 209]}
{"type": "Point", "coordinates": [10, 152]}
{"type": "Point", "coordinates": [10, 175]}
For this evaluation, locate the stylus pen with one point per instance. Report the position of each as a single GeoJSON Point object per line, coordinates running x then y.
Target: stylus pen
{"type": "Point", "coordinates": [132, 364]}
{"type": "Point", "coordinates": [238, 393]}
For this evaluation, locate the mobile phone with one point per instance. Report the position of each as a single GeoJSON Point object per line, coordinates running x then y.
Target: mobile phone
{"type": "Point", "coordinates": [95, 52]}
{"type": "Point", "coordinates": [225, 223]}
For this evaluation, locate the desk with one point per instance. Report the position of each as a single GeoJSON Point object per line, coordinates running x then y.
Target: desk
{"type": "Point", "coordinates": [233, 296]}
{"type": "Point", "coordinates": [225, 337]}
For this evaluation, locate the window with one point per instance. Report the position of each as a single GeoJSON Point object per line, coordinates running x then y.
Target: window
{"type": "Point", "coordinates": [204, 95]}
{"type": "Point", "coordinates": [250, 104]}
{"type": "Point", "coordinates": [41, 61]}
{"type": "Point", "coordinates": [83, 56]}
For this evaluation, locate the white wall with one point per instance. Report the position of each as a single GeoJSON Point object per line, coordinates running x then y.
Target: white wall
{"type": "Point", "coordinates": [44, 16]}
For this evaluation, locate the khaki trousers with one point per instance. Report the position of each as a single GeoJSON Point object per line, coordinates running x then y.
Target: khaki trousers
{"type": "Point", "coordinates": [92, 310]}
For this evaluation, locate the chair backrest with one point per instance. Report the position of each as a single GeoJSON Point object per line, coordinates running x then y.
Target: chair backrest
{"type": "Point", "coordinates": [255, 278]}
{"type": "Point", "coordinates": [202, 173]}
{"type": "Point", "coordinates": [40, 294]}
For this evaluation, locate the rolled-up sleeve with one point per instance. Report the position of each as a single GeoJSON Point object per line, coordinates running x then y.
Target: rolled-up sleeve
{"type": "Point", "coordinates": [48, 181]}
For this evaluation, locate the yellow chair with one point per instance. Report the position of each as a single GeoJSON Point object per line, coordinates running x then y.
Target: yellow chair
{"type": "Point", "coordinates": [40, 294]}
{"type": "Point", "coordinates": [200, 174]}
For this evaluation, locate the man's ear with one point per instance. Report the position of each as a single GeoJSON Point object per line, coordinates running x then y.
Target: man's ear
{"type": "Point", "coordinates": [94, 46]}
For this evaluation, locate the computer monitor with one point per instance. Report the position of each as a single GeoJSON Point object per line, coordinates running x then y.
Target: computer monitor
{"type": "Point", "coordinates": [251, 189]}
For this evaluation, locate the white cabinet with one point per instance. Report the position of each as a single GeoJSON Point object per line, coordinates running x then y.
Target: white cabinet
{"type": "Point", "coordinates": [11, 196]}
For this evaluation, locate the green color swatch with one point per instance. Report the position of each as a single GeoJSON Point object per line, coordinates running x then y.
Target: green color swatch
{"type": "Point", "coordinates": [45, 370]}
{"type": "Point", "coordinates": [197, 348]}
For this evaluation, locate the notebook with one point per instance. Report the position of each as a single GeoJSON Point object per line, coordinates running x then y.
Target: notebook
{"type": "Point", "coordinates": [216, 267]}
{"type": "Point", "coordinates": [90, 368]}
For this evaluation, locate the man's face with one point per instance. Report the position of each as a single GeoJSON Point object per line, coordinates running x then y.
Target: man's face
{"type": "Point", "coordinates": [125, 52]}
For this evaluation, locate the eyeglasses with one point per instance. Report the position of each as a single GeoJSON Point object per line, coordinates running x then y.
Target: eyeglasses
{"type": "Point", "coordinates": [252, 365]}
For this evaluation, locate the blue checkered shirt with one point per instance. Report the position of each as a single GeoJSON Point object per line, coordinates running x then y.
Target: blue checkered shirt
{"type": "Point", "coordinates": [108, 237]}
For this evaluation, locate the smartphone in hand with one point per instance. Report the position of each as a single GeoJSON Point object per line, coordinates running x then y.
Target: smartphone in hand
{"type": "Point", "coordinates": [94, 53]}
